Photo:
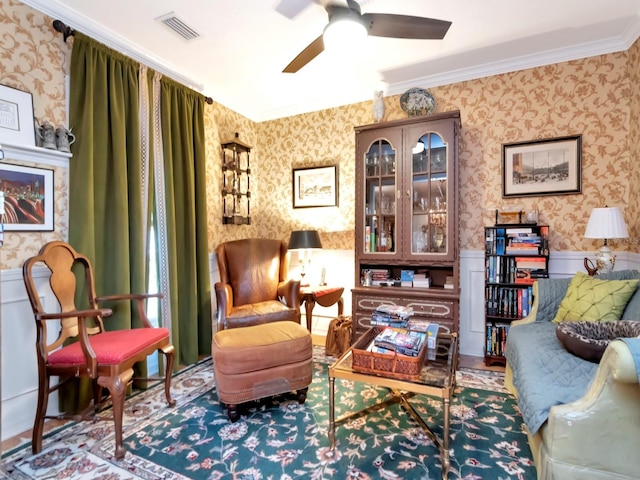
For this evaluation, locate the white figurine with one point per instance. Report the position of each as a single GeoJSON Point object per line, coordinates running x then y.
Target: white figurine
{"type": "Point", "coordinates": [378, 105]}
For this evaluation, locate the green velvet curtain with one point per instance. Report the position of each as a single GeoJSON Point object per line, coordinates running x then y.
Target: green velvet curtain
{"type": "Point", "coordinates": [105, 201]}
{"type": "Point", "coordinates": [105, 195]}
{"type": "Point", "coordinates": [183, 147]}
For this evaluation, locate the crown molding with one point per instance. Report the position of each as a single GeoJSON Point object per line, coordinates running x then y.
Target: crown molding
{"type": "Point", "coordinates": [58, 11]}
{"type": "Point", "coordinates": [627, 32]}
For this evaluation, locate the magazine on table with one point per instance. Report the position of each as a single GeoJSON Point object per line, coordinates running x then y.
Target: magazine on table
{"type": "Point", "coordinates": [391, 315]}
{"type": "Point", "coordinates": [401, 340]}
{"type": "Point", "coordinates": [431, 329]}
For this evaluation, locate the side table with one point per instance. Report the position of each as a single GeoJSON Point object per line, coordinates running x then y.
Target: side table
{"type": "Point", "coordinates": [324, 296]}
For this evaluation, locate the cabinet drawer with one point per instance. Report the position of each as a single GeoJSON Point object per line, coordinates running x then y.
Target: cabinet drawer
{"type": "Point", "coordinates": [360, 323]}
{"type": "Point", "coordinates": [369, 304]}
{"type": "Point", "coordinates": [431, 308]}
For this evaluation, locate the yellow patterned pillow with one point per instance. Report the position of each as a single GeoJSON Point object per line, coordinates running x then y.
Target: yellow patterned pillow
{"type": "Point", "coordinates": [593, 300]}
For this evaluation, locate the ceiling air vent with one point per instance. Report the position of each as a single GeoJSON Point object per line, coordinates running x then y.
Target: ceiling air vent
{"type": "Point", "coordinates": [178, 26]}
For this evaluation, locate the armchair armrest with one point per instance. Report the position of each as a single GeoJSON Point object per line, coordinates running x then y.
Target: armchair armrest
{"type": "Point", "coordinates": [103, 312]}
{"type": "Point", "coordinates": [138, 298]}
{"type": "Point", "coordinates": [129, 296]}
{"type": "Point", "coordinates": [610, 407]}
{"type": "Point", "coordinates": [224, 299]}
{"type": "Point", "coordinates": [290, 291]}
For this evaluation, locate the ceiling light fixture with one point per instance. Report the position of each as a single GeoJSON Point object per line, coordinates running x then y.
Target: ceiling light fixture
{"type": "Point", "coordinates": [344, 30]}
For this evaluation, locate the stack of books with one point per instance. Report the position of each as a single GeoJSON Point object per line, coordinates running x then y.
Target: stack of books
{"type": "Point", "coordinates": [422, 280]}
{"type": "Point", "coordinates": [399, 340]}
{"type": "Point", "coordinates": [391, 316]}
{"type": "Point", "coordinates": [523, 244]}
{"type": "Point", "coordinates": [448, 282]}
{"type": "Point", "coordinates": [379, 275]}
{"type": "Point", "coordinates": [406, 278]}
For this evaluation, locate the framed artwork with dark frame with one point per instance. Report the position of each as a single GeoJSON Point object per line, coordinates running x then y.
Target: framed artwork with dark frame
{"type": "Point", "coordinates": [28, 198]}
{"type": "Point", "coordinates": [542, 167]}
{"type": "Point", "coordinates": [17, 125]}
{"type": "Point", "coordinates": [315, 187]}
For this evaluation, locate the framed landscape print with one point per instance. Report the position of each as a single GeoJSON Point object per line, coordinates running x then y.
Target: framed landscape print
{"type": "Point", "coordinates": [28, 198]}
{"type": "Point", "coordinates": [542, 167]}
{"type": "Point", "coordinates": [315, 187]}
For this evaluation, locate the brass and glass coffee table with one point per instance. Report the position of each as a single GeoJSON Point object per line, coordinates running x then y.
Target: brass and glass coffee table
{"type": "Point", "coordinates": [437, 378]}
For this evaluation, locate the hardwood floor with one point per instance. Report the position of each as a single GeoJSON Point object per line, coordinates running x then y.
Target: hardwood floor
{"type": "Point", "coordinates": [470, 361]}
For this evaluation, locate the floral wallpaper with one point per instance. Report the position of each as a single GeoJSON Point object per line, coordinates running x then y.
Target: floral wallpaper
{"type": "Point", "coordinates": [633, 207]}
{"type": "Point", "coordinates": [34, 58]}
{"type": "Point", "coordinates": [596, 97]}
{"type": "Point", "coordinates": [590, 97]}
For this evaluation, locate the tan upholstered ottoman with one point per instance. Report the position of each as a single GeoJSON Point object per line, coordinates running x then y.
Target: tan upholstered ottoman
{"type": "Point", "coordinates": [250, 363]}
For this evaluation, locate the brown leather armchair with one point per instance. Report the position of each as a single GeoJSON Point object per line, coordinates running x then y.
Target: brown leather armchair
{"type": "Point", "coordinates": [253, 286]}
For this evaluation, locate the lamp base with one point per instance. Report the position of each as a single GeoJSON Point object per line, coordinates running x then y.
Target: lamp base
{"type": "Point", "coordinates": [605, 261]}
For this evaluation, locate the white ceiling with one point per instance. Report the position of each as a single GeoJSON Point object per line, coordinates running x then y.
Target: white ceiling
{"type": "Point", "coordinates": [244, 45]}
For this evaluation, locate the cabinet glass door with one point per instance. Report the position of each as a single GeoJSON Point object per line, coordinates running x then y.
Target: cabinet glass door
{"type": "Point", "coordinates": [429, 195]}
{"type": "Point", "coordinates": [380, 198]}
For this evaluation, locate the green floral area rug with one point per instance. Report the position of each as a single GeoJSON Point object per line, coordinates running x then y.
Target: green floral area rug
{"type": "Point", "coordinates": [284, 440]}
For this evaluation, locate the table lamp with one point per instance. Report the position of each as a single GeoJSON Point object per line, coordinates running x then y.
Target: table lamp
{"type": "Point", "coordinates": [606, 223]}
{"type": "Point", "coordinates": [304, 240]}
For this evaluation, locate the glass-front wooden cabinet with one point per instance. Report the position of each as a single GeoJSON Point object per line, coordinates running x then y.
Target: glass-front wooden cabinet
{"type": "Point", "coordinates": [406, 218]}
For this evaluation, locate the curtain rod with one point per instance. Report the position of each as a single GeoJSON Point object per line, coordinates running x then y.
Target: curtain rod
{"type": "Point", "coordinates": [67, 31]}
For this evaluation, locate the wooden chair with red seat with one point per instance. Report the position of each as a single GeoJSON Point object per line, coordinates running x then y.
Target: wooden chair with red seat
{"type": "Point", "coordinates": [106, 357]}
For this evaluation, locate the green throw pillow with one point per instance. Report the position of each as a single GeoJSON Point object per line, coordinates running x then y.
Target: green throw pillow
{"type": "Point", "coordinates": [593, 300]}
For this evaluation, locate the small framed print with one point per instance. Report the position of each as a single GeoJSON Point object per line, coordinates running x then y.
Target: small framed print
{"type": "Point", "coordinates": [542, 167]}
{"type": "Point", "coordinates": [28, 198]}
{"type": "Point", "coordinates": [17, 125]}
{"type": "Point", "coordinates": [315, 187]}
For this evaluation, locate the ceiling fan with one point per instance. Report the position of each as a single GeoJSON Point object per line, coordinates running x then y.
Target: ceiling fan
{"type": "Point", "coordinates": [376, 24]}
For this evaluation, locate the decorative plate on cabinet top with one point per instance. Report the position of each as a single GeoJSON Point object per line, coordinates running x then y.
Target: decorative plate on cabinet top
{"type": "Point", "coordinates": [417, 101]}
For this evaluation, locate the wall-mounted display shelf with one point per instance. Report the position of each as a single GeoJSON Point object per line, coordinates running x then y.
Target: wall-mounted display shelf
{"type": "Point", "coordinates": [236, 188]}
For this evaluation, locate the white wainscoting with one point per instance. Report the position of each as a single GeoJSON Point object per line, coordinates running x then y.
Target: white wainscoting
{"type": "Point", "coordinates": [19, 371]}
{"type": "Point", "coordinates": [561, 265]}
{"type": "Point", "coordinates": [19, 364]}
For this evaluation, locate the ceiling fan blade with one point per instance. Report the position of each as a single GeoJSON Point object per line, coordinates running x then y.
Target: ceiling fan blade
{"type": "Point", "coordinates": [292, 8]}
{"type": "Point", "coordinates": [314, 49]}
{"type": "Point", "coordinates": [405, 26]}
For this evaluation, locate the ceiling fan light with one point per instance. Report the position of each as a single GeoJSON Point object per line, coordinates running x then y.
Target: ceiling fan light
{"type": "Point", "coordinates": [343, 31]}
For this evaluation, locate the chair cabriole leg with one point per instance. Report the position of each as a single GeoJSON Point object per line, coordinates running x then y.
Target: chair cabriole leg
{"type": "Point", "coordinates": [41, 411]}
{"type": "Point", "coordinates": [117, 387]}
{"type": "Point", "coordinates": [169, 355]}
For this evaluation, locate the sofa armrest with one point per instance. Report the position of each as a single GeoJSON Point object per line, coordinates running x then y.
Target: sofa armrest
{"type": "Point", "coordinates": [547, 296]}
{"type": "Point", "coordinates": [608, 414]}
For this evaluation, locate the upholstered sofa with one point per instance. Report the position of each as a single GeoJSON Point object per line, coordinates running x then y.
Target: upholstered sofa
{"type": "Point", "coordinates": [582, 418]}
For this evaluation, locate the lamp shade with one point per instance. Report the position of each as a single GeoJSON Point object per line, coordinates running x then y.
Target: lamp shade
{"type": "Point", "coordinates": [605, 223]}
{"type": "Point", "coordinates": [304, 239]}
